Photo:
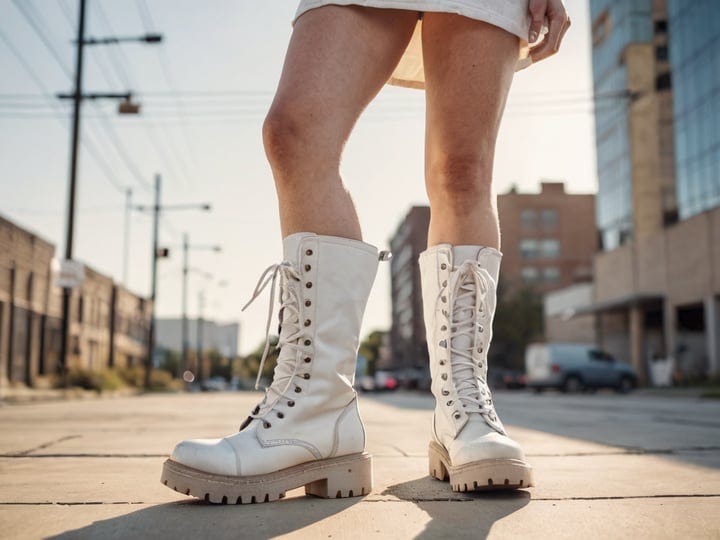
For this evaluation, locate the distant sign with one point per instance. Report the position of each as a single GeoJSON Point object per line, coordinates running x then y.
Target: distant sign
{"type": "Point", "coordinates": [70, 274]}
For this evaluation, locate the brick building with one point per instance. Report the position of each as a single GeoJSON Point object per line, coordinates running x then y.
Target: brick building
{"type": "Point", "coordinates": [25, 296]}
{"type": "Point", "coordinates": [548, 238]}
{"type": "Point", "coordinates": [108, 324]}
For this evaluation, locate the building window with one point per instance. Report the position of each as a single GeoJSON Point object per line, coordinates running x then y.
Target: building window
{"type": "Point", "coordinates": [549, 249]}
{"type": "Point", "coordinates": [661, 26]}
{"type": "Point", "coordinates": [527, 219]}
{"type": "Point", "coordinates": [529, 274]}
{"type": "Point", "coordinates": [601, 28]}
{"type": "Point", "coordinates": [549, 219]}
{"type": "Point", "coordinates": [551, 274]}
{"type": "Point", "coordinates": [81, 307]}
{"type": "Point", "coordinates": [528, 249]}
{"type": "Point", "coordinates": [661, 52]}
{"type": "Point", "coordinates": [663, 81]}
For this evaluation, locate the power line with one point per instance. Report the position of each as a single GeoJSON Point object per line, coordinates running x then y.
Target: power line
{"type": "Point", "coordinates": [42, 33]}
{"type": "Point", "coordinates": [102, 164]}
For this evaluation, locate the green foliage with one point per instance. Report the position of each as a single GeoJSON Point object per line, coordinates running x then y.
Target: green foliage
{"type": "Point", "coordinates": [133, 376]}
{"type": "Point", "coordinates": [248, 366]}
{"type": "Point", "coordinates": [171, 362]}
{"type": "Point", "coordinates": [518, 322]}
{"type": "Point", "coordinates": [219, 365]}
{"type": "Point", "coordinates": [161, 380]}
{"type": "Point", "coordinates": [370, 349]}
{"type": "Point", "coordinates": [100, 381]}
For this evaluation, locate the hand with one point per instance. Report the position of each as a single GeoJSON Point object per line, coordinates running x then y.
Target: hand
{"type": "Point", "coordinates": [558, 23]}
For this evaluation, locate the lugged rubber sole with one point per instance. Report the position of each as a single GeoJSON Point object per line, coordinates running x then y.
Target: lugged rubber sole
{"type": "Point", "coordinates": [486, 474]}
{"type": "Point", "coordinates": [345, 476]}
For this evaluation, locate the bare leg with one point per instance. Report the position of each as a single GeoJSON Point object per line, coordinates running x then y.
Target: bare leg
{"type": "Point", "coordinates": [469, 67]}
{"type": "Point", "coordinates": [337, 61]}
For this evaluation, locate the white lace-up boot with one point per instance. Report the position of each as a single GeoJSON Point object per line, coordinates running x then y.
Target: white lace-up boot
{"type": "Point", "coordinates": [469, 445]}
{"type": "Point", "coordinates": [307, 430]}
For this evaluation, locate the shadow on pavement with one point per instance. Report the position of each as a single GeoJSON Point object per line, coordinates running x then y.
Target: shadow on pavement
{"type": "Point", "coordinates": [197, 519]}
{"type": "Point", "coordinates": [457, 515]}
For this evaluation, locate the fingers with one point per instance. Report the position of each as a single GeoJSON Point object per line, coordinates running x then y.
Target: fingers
{"type": "Point", "coordinates": [558, 24]}
{"type": "Point", "coordinates": [537, 10]}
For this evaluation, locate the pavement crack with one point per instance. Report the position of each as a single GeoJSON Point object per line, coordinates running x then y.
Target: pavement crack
{"type": "Point", "coordinates": [24, 453]}
{"type": "Point", "coordinates": [499, 496]}
{"type": "Point", "coordinates": [40, 456]}
{"type": "Point", "coordinates": [66, 503]}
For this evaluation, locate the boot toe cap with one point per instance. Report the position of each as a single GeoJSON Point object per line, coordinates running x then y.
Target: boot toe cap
{"type": "Point", "coordinates": [215, 456]}
{"type": "Point", "coordinates": [490, 446]}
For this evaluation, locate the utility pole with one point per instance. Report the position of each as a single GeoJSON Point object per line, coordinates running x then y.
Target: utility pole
{"type": "Point", "coordinates": [185, 330]}
{"type": "Point", "coordinates": [200, 325]}
{"type": "Point", "coordinates": [70, 227]}
{"type": "Point", "coordinates": [188, 375]}
{"type": "Point", "coordinates": [68, 269]}
{"type": "Point", "coordinates": [126, 242]}
{"type": "Point", "coordinates": [153, 287]}
{"type": "Point", "coordinates": [158, 253]}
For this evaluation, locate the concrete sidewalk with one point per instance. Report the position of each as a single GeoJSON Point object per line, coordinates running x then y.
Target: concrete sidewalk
{"type": "Point", "coordinates": [90, 469]}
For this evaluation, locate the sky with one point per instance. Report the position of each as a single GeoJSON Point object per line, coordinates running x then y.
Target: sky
{"type": "Point", "coordinates": [204, 92]}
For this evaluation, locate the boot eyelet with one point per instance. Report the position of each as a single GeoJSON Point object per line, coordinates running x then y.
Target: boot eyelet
{"type": "Point", "coordinates": [444, 283]}
{"type": "Point", "coordinates": [443, 328]}
{"type": "Point", "coordinates": [306, 376]}
{"type": "Point", "coordinates": [443, 266]}
{"type": "Point", "coordinates": [456, 415]}
{"type": "Point", "coordinates": [307, 342]}
{"type": "Point", "coordinates": [309, 252]}
{"type": "Point", "coordinates": [298, 389]}
{"type": "Point", "coordinates": [442, 362]}
{"type": "Point", "coordinates": [280, 415]}
{"type": "Point", "coordinates": [445, 393]}
{"type": "Point", "coordinates": [308, 267]}
{"type": "Point", "coordinates": [481, 328]}
{"type": "Point", "coordinates": [291, 403]}
{"type": "Point", "coordinates": [308, 303]}
{"type": "Point", "coordinates": [267, 425]}
{"type": "Point", "coordinates": [449, 403]}
{"type": "Point", "coordinates": [444, 376]}
{"type": "Point", "coordinates": [309, 285]}
{"type": "Point", "coordinates": [480, 349]}
{"type": "Point", "coordinates": [444, 298]}
{"type": "Point", "coordinates": [307, 359]}
{"type": "Point", "coordinates": [307, 322]}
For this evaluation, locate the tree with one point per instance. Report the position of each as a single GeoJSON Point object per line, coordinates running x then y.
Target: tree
{"type": "Point", "coordinates": [518, 322]}
{"type": "Point", "coordinates": [370, 349]}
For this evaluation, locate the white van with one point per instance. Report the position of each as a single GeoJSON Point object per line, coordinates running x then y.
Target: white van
{"type": "Point", "coordinates": [572, 367]}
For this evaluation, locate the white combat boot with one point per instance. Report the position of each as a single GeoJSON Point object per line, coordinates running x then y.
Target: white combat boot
{"type": "Point", "coordinates": [307, 430]}
{"type": "Point", "coordinates": [469, 445]}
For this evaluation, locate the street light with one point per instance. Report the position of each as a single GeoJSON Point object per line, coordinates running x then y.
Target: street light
{"type": "Point", "coordinates": [187, 374]}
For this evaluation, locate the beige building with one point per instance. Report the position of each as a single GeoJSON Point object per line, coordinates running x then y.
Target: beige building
{"type": "Point", "coordinates": [109, 325]}
{"type": "Point", "coordinates": [26, 330]}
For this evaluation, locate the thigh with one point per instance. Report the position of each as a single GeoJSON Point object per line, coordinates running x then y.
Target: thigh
{"type": "Point", "coordinates": [469, 65]}
{"type": "Point", "coordinates": [339, 57]}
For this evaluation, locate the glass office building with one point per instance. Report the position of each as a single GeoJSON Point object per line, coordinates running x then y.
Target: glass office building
{"type": "Point", "coordinates": [694, 49]}
{"type": "Point", "coordinates": [616, 24]}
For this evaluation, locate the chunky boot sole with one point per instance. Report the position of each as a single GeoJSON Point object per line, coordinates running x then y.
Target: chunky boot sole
{"type": "Point", "coordinates": [346, 476]}
{"type": "Point", "coordinates": [483, 475]}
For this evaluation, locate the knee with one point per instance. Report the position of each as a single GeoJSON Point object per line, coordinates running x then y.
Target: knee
{"type": "Point", "coordinates": [282, 137]}
{"type": "Point", "coordinates": [460, 180]}
{"type": "Point", "coordinates": [297, 141]}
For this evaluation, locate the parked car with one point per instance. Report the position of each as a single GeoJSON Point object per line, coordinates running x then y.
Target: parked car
{"type": "Point", "coordinates": [573, 367]}
{"type": "Point", "coordinates": [508, 379]}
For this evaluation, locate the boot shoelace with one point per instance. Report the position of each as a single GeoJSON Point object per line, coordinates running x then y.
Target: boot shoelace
{"type": "Point", "coordinates": [289, 339]}
{"type": "Point", "coordinates": [468, 290]}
